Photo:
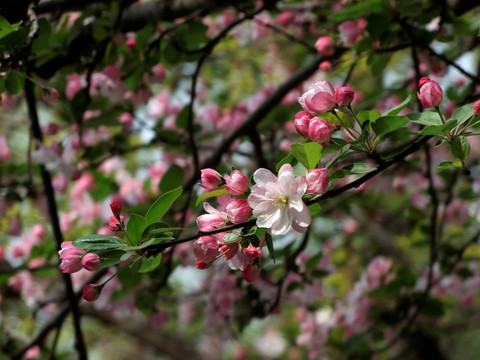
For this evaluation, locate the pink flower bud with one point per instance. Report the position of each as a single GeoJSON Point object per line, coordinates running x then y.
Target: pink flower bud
{"type": "Point", "coordinates": [318, 130]}
{"type": "Point", "coordinates": [51, 129]}
{"type": "Point", "coordinates": [158, 73]}
{"type": "Point", "coordinates": [202, 265]}
{"type": "Point", "coordinates": [302, 120]}
{"type": "Point", "coordinates": [130, 43]}
{"type": "Point", "coordinates": [318, 98]}
{"type": "Point", "coordinates": [91, 262]}
{"type": "Point", "coordinates": [114, 224]}
{"type": "Point", "coordinates": [71, 257]}
{"type": "Point", "coordinates": [229, 250]}
{"type": "Point", "coordinates": [325, 46]}
{"type": "Point", "coordinates": [252, 252]}
{"type": "Point", "coordinates": [206, 249]}
{"type": "Point", "coordinates": [317, 181]}
{"type": "Point", "coordinates": [476, 108]}
{"type": "Point", "coordinates": [116, 208]}
{"type": "Point", "coordinates": [251, 273]}
{"type": "Point", "coordinates": [285, 18]}
{"type": "Point", "coordinates": [325, 66]}
{"type": "Point", "coordinates": [91, 292]}
{"type": "Point", "coordinates": [211, 179]}
{"type": "Point", "coordinates": [344, 96]}
{"type": "Point", "coordinates": [430, 94]}
{"type": "Point", "coordinates": [236, 183]}
{"type": "Point", "coordinates": [238, 210]}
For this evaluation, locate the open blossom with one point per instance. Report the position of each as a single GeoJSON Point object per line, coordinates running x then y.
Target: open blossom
{"type": "Point", "coordinates": [430, 94]}
{"type": "Point", "coordinates": [71, 257]}
{"type": "Point", "coordinates": [277, 202]}
{"type": "Point", "coordinates": [318, 98]}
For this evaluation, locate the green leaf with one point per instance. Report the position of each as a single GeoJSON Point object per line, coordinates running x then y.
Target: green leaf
{"type": "Point", "coordinates": [269, 242]}
{"type": "Point", "coordinates": [171, 178]}
{"type": "Point", "coordinates": [332, 119]}
{"type": "Point", "coordinates": [211, 194]}
{"type": "Point", "coordinates": [182, 118]}
{"type": "Point", "coordinates": [150, 263]}
{"type": "Point", "coordinates": [135, 227]}
{"type": "Point", "coordinates": [289, 159]}
{"type": "Point", "coordinates": [44, 31]}
{"type": "Point", "coordinates": [357, 11]}
{"type": "Point", "coordinates": [425, 118]}
{"type": "Point", "coordinates": [111, 257]}
{"type": "Point", "coordinates": [446, 165]}
{"type": "Point", "coordinates": [308, 154]}
{"type": "Point", "coordinates": [161, 206]}
{"type": "Point", "coordinates": [385, 125]}
{"type": "Point", "coordinates": [463, 113]}
{"type": "Point", "coordinates": [14, 82]}
{"type": "Point", "coordinates": [438, 129]}
{"type": "Point", "coordinates": [313, 261]}
{"type": "Point", "coordinates": [460, 147]}
{"type": "Point", "coordinates": [357, 168]}
{"type": "Point", "coordinates": [314, 208]}
{"type": "Point", "coordinates": [98, 242]}
{"type": "Point", "coordinates": [7, 28]}
{"type": "Point", "coordinates": [231, 238]}
{"type": "Point", "coordinates": [371, 116]}
{"type": "Point", "coordinates": [339, 156]}
{"type": "Point", "coordinates": [396, 110]}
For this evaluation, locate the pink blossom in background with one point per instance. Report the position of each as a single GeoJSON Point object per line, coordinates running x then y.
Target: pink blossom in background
{"type": "Point", "coordinates": [127, 119]}
{"type": "Point", "coordinates": [157, 319]}
{"type": "Point", "coordinates": [277, 202]}
{"type": "Point", "coordinates": [325, 46]}
{"type": "Point", "coordinates": [82, 184]}
{"type": "Point", "coordinates": [350, 32]}
{"type": "Point", "coordinates": [50, 95]}
{"type": "Point", "coordinates": [4, 150]}
{"type": "Point", "coordinates": [319, 97]}
{"type": "Point", "coordinates": [158, 73]}
{"type": "Point", "coordinates": [285, 18]}
{"type": "Point", "coordinates": [325, 66]}
{"type": "Point", "coordinates": [75, 83]}
{"type": "Point", "coordinates": [131, 190]}
{"type": "Point", "coordinates": [108, 82]}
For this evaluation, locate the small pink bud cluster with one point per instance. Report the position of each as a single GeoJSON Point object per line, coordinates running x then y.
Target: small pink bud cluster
{"type": "Point", "coordinates": [312, 127]}
{"type": "Point", "coordinates": [430, 93]}
{"type": "Point", "coordinates": [75, 259]}
{"type": "Point", "coordinates": [236, 183]}
{"type": "Point", "coordinates": [117, 221]}
{"type": "Point", "coordinates": [322, 97]}
{"type": "Point", "coordinates": [325, 46]}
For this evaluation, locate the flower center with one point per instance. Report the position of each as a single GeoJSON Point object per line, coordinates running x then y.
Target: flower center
{"type": "Point", "coordinates": [280, 200]}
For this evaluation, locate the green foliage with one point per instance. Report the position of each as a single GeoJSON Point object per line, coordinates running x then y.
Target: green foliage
{"type": "Point", "coordinates": [160, 207]}
{"type": "Point", "coordinates": [308, 154]}
{"type": "Point", "coordinates": [98, 242]}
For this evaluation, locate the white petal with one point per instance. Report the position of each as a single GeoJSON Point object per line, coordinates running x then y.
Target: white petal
{"type": "Point", "coordinates": [266, 220]}
{"type": "Point", "coordinates": [283, 224]}
{"type": "Point", "coordinates": [262, 176]}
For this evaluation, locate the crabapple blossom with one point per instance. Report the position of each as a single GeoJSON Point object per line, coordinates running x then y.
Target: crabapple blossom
{"type": "Point", "coordinates": [91, 292]}
{"type": "Point", "coordinates": [206, 249]}
{"type": "Point", "coordinates": [325, 46]}
{"type": "Point", "coordinates": [116, 207]}
{"type": "Point", "coordinates": [91, 262]}
{"type": "Point", "coordinates": [238, 210]}
{"type": "Point", "coordinates": [211, 179]}
{"type": "Point", "coordinates": [302, 120]}
{"type": "Point", "coordinates": [252, 252]}
{"type": "Point", "coordinates": [318, 98]}
{"type": "Point", "coordinates": [71, 257]}
{"type": "Point", "coordinates": [318, 130]}
{"type": "Point", "coordinates": [344, 95]}
{"type": "Point", "coordinates": [251, 272]}
{"type": "Point", "coordinates": [317, 181]}
{"type": "Point", "coordinates": [430, 94]}
{"type": "Point", "coordinates": [236, 183]}
{"type": "Point", "coordinates": [114, 224]}
{"type": "Point", "coordinates": [325, 66]}
{"type": "Point", "coordinates": [277, 201]}
{"type": "Point", "coordinates": [476, 108]}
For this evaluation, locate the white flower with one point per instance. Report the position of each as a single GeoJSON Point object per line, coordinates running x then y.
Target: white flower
{"type": "Point", "coordinates": [277, 202]}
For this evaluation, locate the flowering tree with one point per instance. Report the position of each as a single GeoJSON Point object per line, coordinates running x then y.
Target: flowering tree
{"type": "Point", "coordinates": [239, 179]}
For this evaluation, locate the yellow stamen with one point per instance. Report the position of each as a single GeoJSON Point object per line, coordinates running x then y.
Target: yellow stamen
{"type": "Point", "coordinates": [280, 200]}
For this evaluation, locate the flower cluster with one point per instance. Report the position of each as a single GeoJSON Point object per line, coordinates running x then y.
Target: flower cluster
{"type": "Point", "coordinates": [320, 97]}
{"type": "Point", "coordinates": [75, 259]}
